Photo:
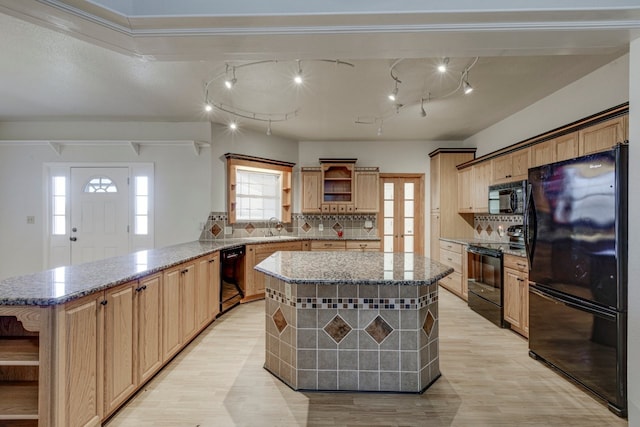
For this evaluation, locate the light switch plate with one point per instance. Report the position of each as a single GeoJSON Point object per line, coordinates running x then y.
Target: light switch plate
{"type": "Point", "coordinates": [31, 219]}
{"type": "Point", "coordinates": [320, 227]}
{"type": "Point", "coordinates": [368, 224]}
{"type": "Point", "coordinates": [228, 230]}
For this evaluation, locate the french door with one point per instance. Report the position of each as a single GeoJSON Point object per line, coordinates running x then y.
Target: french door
{"type": "Point", "coordinates": [402, 208]}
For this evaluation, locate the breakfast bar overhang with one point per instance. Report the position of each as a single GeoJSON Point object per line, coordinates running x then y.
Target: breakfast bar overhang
{"type": "Point", "coordinates": [352, 321]}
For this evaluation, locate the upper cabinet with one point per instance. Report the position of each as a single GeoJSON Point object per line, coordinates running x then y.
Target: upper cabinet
{"type": "Point", "coordinates": [602, 136]}
{"type": "Point", "coordinates": [511, 167]}
{"type": "Point", "coordinates": [339, 187]}
{"type": "Point", "coordinates": [481, 177]}
{"type": "Point", "coordinates": [554, 150]}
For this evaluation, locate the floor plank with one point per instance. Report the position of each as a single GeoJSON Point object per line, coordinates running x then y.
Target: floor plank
{"type": "Point", "coordinates": [488, 379]}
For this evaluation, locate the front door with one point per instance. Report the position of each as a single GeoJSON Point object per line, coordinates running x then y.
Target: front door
{"type": "Point", "coordinates": [99, 213]}
{"type": "Point", "coordinates": [402, 225]}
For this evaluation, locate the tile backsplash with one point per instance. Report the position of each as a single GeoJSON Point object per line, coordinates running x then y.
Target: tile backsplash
{"type": "Point", "coordinates": [494, 227]}
{"type": "Point", "coordinates": [351, 226]}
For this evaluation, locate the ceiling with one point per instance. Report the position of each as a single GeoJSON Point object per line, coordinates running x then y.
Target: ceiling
{"type": "Point", "coordinates": [77, 60]}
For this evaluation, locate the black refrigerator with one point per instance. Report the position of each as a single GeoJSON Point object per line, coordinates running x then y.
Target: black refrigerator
{"type": "Point", "coordinates": [576, 240]}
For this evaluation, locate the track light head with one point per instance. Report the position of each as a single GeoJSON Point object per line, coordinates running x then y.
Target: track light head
{"type": "Point", "coordinates": [230, 83]}
{"type": "Point", "coordinates": [394, 93]}
{"type": "Point", "coordinates": [269, 129]}
{"type": "Point", "coordinates": [423, 113]}
{"type": "Point", "coordinates": [466, 87]}
{"type": "Point", "coordinates": [297, 79]}
{"type": "Point", "coordinates": [443, 65]}
{"type": "Point", "coordinates": [208, 107]}
{"type": "Point", "coordinates": [233, 125]}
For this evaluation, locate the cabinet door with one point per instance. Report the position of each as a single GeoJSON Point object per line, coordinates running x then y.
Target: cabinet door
{"type": "Point", "coordinates": [311, 191]}
{"type": "Point", "coordinates": [566, 147]}
{"type": "Point", "coordinates": [512, 297]}
{"type": "Point", "coordinates": [214, 285]}
{"type": "Point", "coordinates": [481, 180]}
{"type": "Point", "coordinates": [149, 311]}
{"type": "Point", "coordinates": [434, 249]}
{"type": "Point", "coordinates": [188, 294]}
{"type": "Point", "coordinates": [434, 179]}
{"type": "Point", "coordinates": [520, 161]}
{"type": "Point", "coordinates": [543, 153]}
{"type": "Point", "coordinates": [80, 362]}
{"type": "Point", "coordinates": [120, 345]}
{"type": "Point", "coordinates": [502, 171]}
{"type": "Point", "coordinates": [171, 336]}
{"type": "Point", "coordinates": [367, 192]}
{"type": "Point", "coordinates": [525, 306]}
{"type": "Point", "coordinates": [601, 137]}
{"type": "Point", "coordinates": [249, 272]}
{"type": "Point", "coordinates": [207, 287]}
{"type": "Point", "coordinates": [465, 202]}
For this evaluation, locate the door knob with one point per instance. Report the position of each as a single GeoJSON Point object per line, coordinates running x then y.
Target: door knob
{"type": "Point", "coordinates": [73, 238]}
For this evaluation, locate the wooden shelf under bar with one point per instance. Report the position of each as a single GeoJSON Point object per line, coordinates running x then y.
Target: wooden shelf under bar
{"type": "Point", "coordinates": [21, 351]}
{"type": "Point", "coordinates": [19, 400]}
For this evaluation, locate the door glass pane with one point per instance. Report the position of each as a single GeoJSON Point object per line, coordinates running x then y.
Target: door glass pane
{"type": "Point", "coordinates": [388, 190]}
{"type": "Point", "coordinates": [408, 191]}
{"type": "Point", "coordinates": [408, 208]}
{"type": "Point", "coordinates": [388, 208]}
{"type": "Point", "coordinates": [388, 226]}
{"type": "Point", "coordinates": [408, 226]}
{"type": "Point", "coordinates": [408, 244]}
{"type": "Point", "coordinates": [388, 243]}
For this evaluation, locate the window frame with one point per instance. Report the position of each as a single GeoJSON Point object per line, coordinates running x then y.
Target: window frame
{"type": "Point", "coordinates": [235, 161]}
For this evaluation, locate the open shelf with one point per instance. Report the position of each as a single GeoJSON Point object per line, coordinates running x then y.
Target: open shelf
{"type": "Point", "coordinates": [19, 351]}
{"type": "Point", "coordinates": [19, 400]}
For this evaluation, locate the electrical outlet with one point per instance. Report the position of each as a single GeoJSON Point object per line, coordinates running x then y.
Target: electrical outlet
{"type": "Point", "coordinates": [31, 219]}
{"type": "Point", "coordinates": [320, 227]}
{"type": "Point", "coordinates": [228, 230]}
{"type": "Point", "coordinates": [368, 224]}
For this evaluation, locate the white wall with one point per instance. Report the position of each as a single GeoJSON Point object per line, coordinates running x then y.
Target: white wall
{"type": "Point", "coordinates": [389, 156]}
{"type": "Point", "coordinates": [242, 141]}
{"type": "Point", "coordinates": [182, 181]}
{"type": "Point", "coordinates": [634, 240]}
{"type": "Point", "coordinates": [604, 88]}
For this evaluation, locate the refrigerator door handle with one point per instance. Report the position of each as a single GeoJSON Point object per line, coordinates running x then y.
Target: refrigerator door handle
{"type": "Point", "coordinates": [530, 226]}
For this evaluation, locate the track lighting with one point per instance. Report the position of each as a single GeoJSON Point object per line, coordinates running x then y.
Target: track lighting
{"type": "Point", "coordinates": [443, 65]}
{"type": "Point", "coordinates": [230, 83]}
{"type": "Point", "coordinates": [380, 129]}
{"type": "Point", "coordinates": [394, 94]}
{"type": "Point", "coordinates": [269, 129]}
{"type": "Point", "coordinates": [298, 77]}
{"type": "Point", "coordinates": [233, 126]}
{"type": "Point", "coordinates": [466, 86]}
{"type": "Point", "coordinates": [208, 107]}
{"type": "Point", "coordinates": [423, 113]}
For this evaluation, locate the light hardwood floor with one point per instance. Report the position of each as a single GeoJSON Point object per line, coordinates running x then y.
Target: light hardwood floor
{"type": "Point", "coordinates": [488, 379]}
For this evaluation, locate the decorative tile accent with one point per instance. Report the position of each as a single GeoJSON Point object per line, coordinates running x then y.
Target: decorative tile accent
{"type": "Point", "coordinates": [479, 229]}
{"type": "Point", "coordinates": [216, 229]}
{"type": "Point", "coordinates": [378, 329]}
{"type": "Point", "coordinates": [337, 329]}
{"type": "Point", "coordinates": [279, 320]}
{"type": "Point", "coordinates": [489, 229]}
{"type": "Point", "coordinates": [249, 228]}
{"type": "Point", "coordinates": [429, 321]}
{"type": "Point", "coordinates": [337, 226]}
{"type": "Point", "coordinates": [306, 227]}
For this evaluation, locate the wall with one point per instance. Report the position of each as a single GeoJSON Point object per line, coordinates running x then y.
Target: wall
{"type": "Point", "coordinates": [242, 141]}
{"type": "Point", "coordinates": [182, 179]}
{"type": "Point", "coordinates": [389, 156]}
{"type": "Point", "coordinates": [604, 88]}
{"type": "Point", "coordinates": [634, 241]}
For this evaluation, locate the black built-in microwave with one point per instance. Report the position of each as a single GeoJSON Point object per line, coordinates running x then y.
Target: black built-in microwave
{"type": "Point", "coordinates": [507, 198]}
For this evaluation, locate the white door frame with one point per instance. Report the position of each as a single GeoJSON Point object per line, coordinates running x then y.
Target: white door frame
{"type": "Point", "coordinates": [135, 242]}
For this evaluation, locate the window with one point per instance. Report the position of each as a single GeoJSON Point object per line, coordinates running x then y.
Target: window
{"type": "Point", "coordinates": [141, 224]}
{"type": "Point", "coordinates": [258, 189]}
{"type": "Point", "coordinates": [100, 184]}
{"type": "Point", "coordinates": [59, 205]}
{"type": "Point", "coordinates": [258, 194]}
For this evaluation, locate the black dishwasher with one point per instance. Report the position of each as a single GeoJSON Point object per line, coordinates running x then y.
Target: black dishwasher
{"type": "Point", "coordinates": [231, 277]}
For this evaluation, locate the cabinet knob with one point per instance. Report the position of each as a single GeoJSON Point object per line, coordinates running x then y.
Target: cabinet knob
{"type": "Point", "coordinates": [103, 302]}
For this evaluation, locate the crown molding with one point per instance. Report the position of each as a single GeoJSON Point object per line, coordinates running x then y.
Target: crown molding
{"type": "Point", "coordinates": [58, 145]}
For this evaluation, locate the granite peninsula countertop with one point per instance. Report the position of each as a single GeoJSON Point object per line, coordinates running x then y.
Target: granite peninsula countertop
{"type": "Point", "coordinates": [353, 268]}
{"type": "Point", "coordinates": [63, 284]}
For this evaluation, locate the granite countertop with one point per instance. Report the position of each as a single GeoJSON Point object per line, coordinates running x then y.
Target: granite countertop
{"type": "Point", "coordinates": [63, 284]}
{"type": "Point", "coordinates": [353, 268]}
{"type": "Point", "coordinates": [504, 246]}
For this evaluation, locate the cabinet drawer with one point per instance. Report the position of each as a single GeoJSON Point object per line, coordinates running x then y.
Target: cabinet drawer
{"type": "Point", "coordinates": [452, 259]}
{"type": "Point", "coordinates": [453, 282]}
{"type": "Point", "coordinates": [355, 245]}
{"type": "Point", "coordinates": [516, 263]}
{"type": "Point", "coordinates": [449, 246]}
{"type": "Point", "coordinates": [324, 245]}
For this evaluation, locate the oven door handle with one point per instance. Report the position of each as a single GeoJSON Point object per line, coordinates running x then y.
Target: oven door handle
{"type": "Point", "coordinates": [483, 251]}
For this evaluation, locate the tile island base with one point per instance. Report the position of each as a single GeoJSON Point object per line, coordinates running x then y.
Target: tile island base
{"type": "Point", "coordinates": [367, 333]}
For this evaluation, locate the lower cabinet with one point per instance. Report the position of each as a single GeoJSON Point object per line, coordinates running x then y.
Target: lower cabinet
{"type": "Point", "coordinates": [208, 289]}
{"type": "Point", "coordinates": [363, 245]}
{"type": "Point", "coordinates": [454, 255]}
{"type": "Point", "coordinates": [255, 254]}
{"type": "Point", "coordinates": [149, 315]}
{"type": "Point", "coordinates": [516, 293]}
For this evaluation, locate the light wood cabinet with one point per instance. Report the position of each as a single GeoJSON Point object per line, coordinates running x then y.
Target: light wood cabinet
{"type": "Point", "coordinates": [255, 254]}
{"type": "Point", "coordinates": [328, 245]}
{"type": "Point", "coordinates": [149, 314]}
{"type": "Point", "coordinates": [511, 167]}
{"type": "Point", "coordinates": [454, 255]}
{"type": "Point", "coordinates": [481, 177]}
{"type": "Point", "coordinates": [554, 150]}
{"type": "Point", "coordinates": [80, 362]}
{"type": "Point", "coordinates": [367, 191]}
{"type": "Point", "coordinates": [178, 308]}
{"type": "Point", "coordinates": [516, 293]}
{"type": "Point", "coordinates": [465, 189]}
{"type": "Point", "coordinates": [338, 187]}
{"type": "Point", "coordinates": [434, 247]}
{"type": "Point", "coordinates": [363, 245]}
{"type": "Point", "coordinates": [120, 345]}
{"type": "Point", "coordinates": [435, 183]}
{"type": "Point", "coordinates": [602, 136]}
{"type": "Point", "coordinates": [311, 190]}
{"type": "Point", "coordinates": [208, 289]}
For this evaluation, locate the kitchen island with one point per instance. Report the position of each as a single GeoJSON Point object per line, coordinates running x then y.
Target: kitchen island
{"type": "Point", "coordinates": [352, 321]}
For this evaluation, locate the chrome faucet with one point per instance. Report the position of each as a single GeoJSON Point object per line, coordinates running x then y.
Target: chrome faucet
{"type": "Point", "coordinates": [273, 222]}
